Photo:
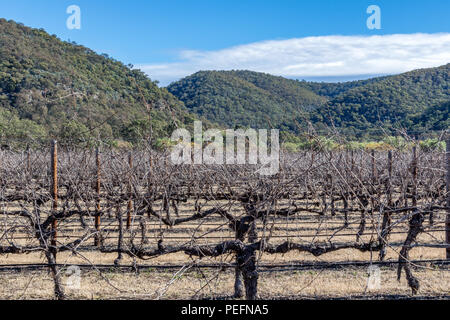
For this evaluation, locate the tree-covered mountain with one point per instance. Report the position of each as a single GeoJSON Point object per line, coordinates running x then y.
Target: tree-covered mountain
{"type": "Point", "coordinates": [333, 89]}
{"type": "Point", "coordinates": [247, 99]}
{"type": "Point", "coordinates": [360, 109]}
{"type": "Point", "coordinates": [404, 101]}
{"type": "Point", "coordinates": [51, 88]}
{"type": "Point", "coordinates": [435, 118]}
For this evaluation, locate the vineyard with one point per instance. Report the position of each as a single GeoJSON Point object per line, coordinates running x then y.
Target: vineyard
{"type": "Point", "coordinates": [133, 212]}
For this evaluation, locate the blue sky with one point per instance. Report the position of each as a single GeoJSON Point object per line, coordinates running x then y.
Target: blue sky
{"type": "Point", "coordinates": [294, 38]}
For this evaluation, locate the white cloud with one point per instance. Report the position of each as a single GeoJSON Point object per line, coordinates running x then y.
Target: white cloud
{"type": "Point", "coordinates": [323, 56]}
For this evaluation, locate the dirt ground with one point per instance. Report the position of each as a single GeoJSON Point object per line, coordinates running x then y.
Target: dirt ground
{"type": "Point", "coordinates": [311, 284]}
{"type": "Point", "coordinates": [152, 283]}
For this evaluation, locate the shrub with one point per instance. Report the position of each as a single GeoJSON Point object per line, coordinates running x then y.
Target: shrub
{"type": "Point", "coordinates": [432, 144]}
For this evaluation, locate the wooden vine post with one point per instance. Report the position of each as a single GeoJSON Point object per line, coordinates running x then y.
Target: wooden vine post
{"type": "Point", "coordinates": [373, 168]}
{"type": "Point", "coordinates": [374, 181]}
{"type": "Point", "coordinates": [414, 174]}
{"type": "Point", "coordinates": [98, 238]}
{"type": "Point", "coordinates": [150, 182]}
{"type": "Point", "coordinates": [389, 186]}
{"type": "Point", "coordinates": [130, 202]}
{"type": "Point", "coordinates": [28, 160]}
{"type": "Point", "coordinates": [54, 192]}
{"type": "Point", "coordinates": [386, 224]}
{"type": "Point", "coordinates": [150, 173]}
{"type": "Point", "coordinates": [447, 221]}
{"type": "Point", "coordinates": [353, 162]}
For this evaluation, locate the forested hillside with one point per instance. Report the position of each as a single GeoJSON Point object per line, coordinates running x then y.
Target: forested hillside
{"type": "Point", "coordinates": [360, 109]}
{"type": "Point", "coordinates": [51, 88]}
{"type": "Point", "coordinates": [403, 101]}
{"type": "Point", "coordinates": [333, 89]}
{"type": "Point", "coordinates": [55, 89]}
{"type": "Point", "coordinates": [248, 99]}
{"type": "Point", "coordinates": [435, 118]}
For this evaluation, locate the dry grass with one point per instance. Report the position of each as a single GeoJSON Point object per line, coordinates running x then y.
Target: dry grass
{"type": "Point", "coordinates": [212, 284]}
{"type": "Point", "coordinates": [348, 282]}
{"type": "Point", "coordinates": [209, 283]}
